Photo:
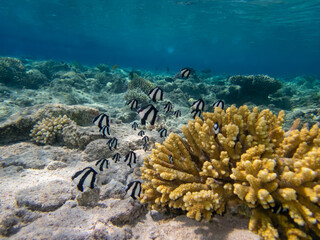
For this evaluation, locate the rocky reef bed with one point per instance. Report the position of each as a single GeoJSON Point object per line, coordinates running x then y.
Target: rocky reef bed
{"type": "Point", "coordinates": [39, 200]}
{"type": "Point", "coordinates": [46, 135]}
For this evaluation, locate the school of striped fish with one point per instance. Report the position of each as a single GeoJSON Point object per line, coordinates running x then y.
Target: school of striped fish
{"type": "Point", "coordinates": [87, 177]}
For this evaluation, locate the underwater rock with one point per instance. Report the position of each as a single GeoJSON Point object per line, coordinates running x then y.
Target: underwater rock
{"type": "Point", "coordinates": [70, 78]}
{"type": "Point", "coordinates": [35, 79]}
{"type": "Point", "coordinates": [88, 198]}
{"type": "Point", "coordinates": [140, 83]}
{"type": "Point", "coordinates": [102, 231]}
{"type": "Point", "coordinates": [113, 189]}
{"type": "Point", "coordinates": [75, 136]}
{"type": "Point", "coordinates": [56, 165]}
{"type": "Point", "coordinates": [25, 155]}
{"type": "Point", "coordinates": [119, 85]}
{"type": "Point", "coordinates": [169, 79]}
{"type": "Point", "coordinates": [7, 222]}
{"type": "Point", "coordinates": [103, 67]}
{"type": "Point", "coordinates": [60, 224]}
{"type": "Point", "coordinates": [49, 68]}
{"type": "Point", "coordinates": [96, 150]}
{"type": "Point", "coordinates": [252, 88]}
{"type": "Point", "coordinates": [12, 72]}
{"type": "Point", "coordinates": [137, 94]}
{"type": "Point", "coordinates": [126, 212]}
{"type": "Point", "coordinates": [103, 78]}
{"type": "Point", "coordinates": [127, 117]}
{"type": "Point", "coordinates": [45, 197]}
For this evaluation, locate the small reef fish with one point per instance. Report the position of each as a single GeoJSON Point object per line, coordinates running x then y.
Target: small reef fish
{"type": "Point", "coordinates": [134, 126]}
{"type": "Point", "coordinates": [148, 113]}
{"type": "Point", "coordinates": [163, 132]}
{"type": "Point", "coordinates": [102, 164]}
{"type": "Point", "coordinates": [134, 189]}
{"type": "Point", "coordinates": [216, 128]}
{"type": "Point", "coordinates": [85, 178]}
{"type": "Point", "coordinates": [196, 113]}
{"type": "Point", "coordinates": [177, 113]}
{"type": "Point", "coordinates": [114, 67]}
{"type": "Point", "coordinates": [156, 94]}
{"type": "Point", "coordinates": [198, 105]}
{"type": "Point", "coordinates": [185, 73]}
{"type": "Point", "coordinates": [131, 157]}
{"type": "Point", "coordinates": [141, 133]}
{"type": "Point", "coordinates": [168, 107]}
{"type": "Point", "coordinates": [145, 146]}
{"type": "Point", "coordinates": [101, 120]}
{"type": "Point", "coordinates": [145, 139]}
{"type": "Point", "coordinates": [219, 104]}
{"type": "Point", "coordinates": [112, 143]}
{"type": "Point", "coordinates": [279, 209]}
{"type": "Point", "coordinates": [170, 159]}
{"type": "Point", "coordinates": [105, 130]}
{"type": "Point", "coordinates": [133, 104]}
{"type": "Point", "coordinates": [116, 157]}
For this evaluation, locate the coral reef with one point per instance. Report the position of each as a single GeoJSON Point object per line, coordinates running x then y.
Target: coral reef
{"type": "Point", "coordinates": [119, 85]}
{"type": "Point", "coordinates": [12, 71]}
{"type": "Point", "coordinates": [51, 67]}
{"type": "Point", "coordinates": [138, 95]}
{"type": "Point", "coordinates": [103, 67]}
{"type": "Point", "coordinates": [18, 126]}
{"type": "Point", "coordinates": [47, 130]}
{"type": "Point", "coordinates": [36, 78]}
{"type": "Point", "coordinates": [252, 88]}
{"type": "Point", "coordinates": [141, 83]}
{"type": "Point", "coordinates": [240, 156]}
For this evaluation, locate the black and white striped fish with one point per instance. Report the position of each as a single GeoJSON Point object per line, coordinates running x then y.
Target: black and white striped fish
{"type": "Point", "coordinates": [134, 126]}
{"type": "Point", "coordinates": [219, 104]}
{"type": "Point", "coordinates": [145, 146]}
{"type": "Point", "coordinates": [168, 107]}
{"type": "Point", "coordinates": [156, 94]}
{"type": "Point", "coordinates": [163, 132]}
{"type": "Point", "coordinates": [112, 143]}
{"type": "Point", "coordinates": [198, 105]}
{"type": "Point", "coordinates": [101, 120]}
{"type": "Point", "coordinates": [278, 209]}
{"type": "Point", "coordinates": [216, 128]}
{"type": "Point", "coordinates": [105, 130]}
{"type": "Point", "coordinates": [131, 157]}
{"type": "Point", "coordinates": [196, 113]}
{"type": "Point", "coordinates": [85, 178]}
{"type": "Point", "coordinates": [134, 189]}
{"type": "Point", "coordinates": [145, 139]}
{"type": "Point", "coordinates": [116, 157]}
{"type": "Point", "coordinates": [102, 164]}
{"type": "Point", "coordinates": [141, 133]}
{"type": "Point", "coordinates": [170, 159]}
{"type": "Point", "coordinates": [185, 72]}
{"type": "Point", "coordinates": [177, 113]}
{"type": "Point", "coordinates": [133, 104]}
{"type": "Point", "coordinates": [148, 113]}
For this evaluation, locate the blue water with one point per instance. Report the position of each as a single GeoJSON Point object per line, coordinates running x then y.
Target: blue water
{"type": "Point", "coordinates": [239, 36]}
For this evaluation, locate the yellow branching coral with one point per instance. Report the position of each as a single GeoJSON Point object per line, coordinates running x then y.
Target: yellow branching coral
{"type": "Point", "coordinates": [243, 156]}
{"type": "Point", "coordinates": [47, 130]}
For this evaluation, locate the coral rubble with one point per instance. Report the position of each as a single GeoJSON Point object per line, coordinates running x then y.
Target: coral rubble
{"type": "Point", "coordinates": [248, 160]}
